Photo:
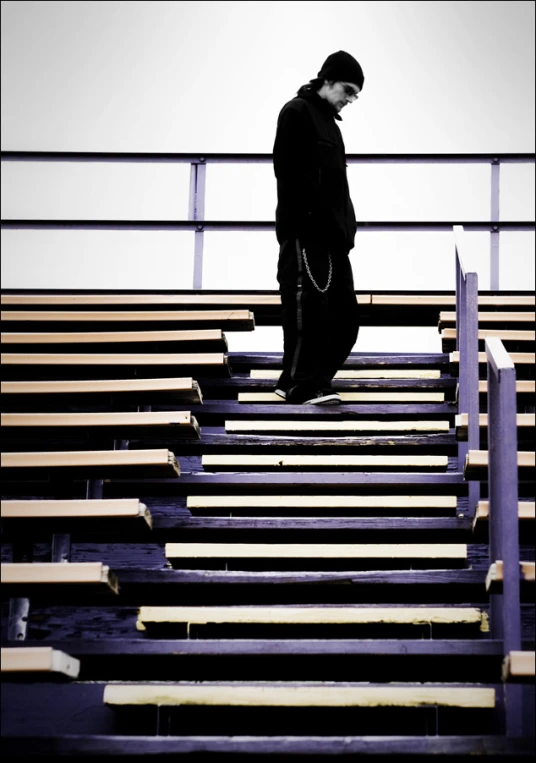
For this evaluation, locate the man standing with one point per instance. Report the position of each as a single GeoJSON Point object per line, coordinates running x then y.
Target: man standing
{"type": "Point", "coordinates": [315, 228]}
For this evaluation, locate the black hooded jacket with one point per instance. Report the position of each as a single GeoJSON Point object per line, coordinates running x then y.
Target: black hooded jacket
{"type": "Point", "coordinates": [313, 198]}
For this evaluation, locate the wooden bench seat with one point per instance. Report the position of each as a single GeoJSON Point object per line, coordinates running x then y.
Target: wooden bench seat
{"type": "Point", "coordinates": [353, 397]}
{"type": "Point", "coordinates": [71, 511]}
{"type": "Point", "coordinates": [317, 556]}
{"type": "Point", "coordinates": [38, 660]}
{"type": "Point", "coordinates": [494, 577]}
{"type": "Point", "coordinates": [201, 340]}
{"type": "Point", "coordinates": [526, 421]}
{"type": "Point", "coordinates": [376, 373]}
{"type": "Point", "coordinates": [519, 667]}
{"type": "Point", "coordinates": [513, 340]}
{"type": "Point", "coordinates": [338, 462]}
{"type": "Point", "coordinates": [185, 390]}
{"type": "Point", "coordinates": [23, 576]}
{"type": "Point", "coordinates": [503, 319]}
{"type": "Point", "coordinates": [525, 513]}
{"type": "Point", "coordinates": [157, 462]}
{"type": "Point", "coordinates": [476, 464]}
{"type": "Point", "coordinates": [231, 320]}
{"type": "Point", "coordinates": [206, 364]}
{"type": "Point", "coordinates": [357, 426]}
{"type": "Point", "coordinates": [310, 615]}
{"type": "Point", "coordinates": [296, 695]}
{"type": "Point", "coordinates": [176, 424]}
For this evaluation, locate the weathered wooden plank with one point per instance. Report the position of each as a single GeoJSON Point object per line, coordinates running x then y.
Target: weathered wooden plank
{"type": "Point", "coordinates": [59, 573]}
{"type": "Point", "coordinates": [504, 318]}
{"type": "Point", "coordinates": [373, 502]}
{"type": "Point", "coordinates": [340, 462]}
{"type": "Point", "coordinates": [353, 397]}
{"type": "Point", "coordinates": [313, 551]}
{"type": "Point", "coordinates": [103, 359]}
{"type": "Point", "coordinates": [525, 512]}
{"type": "Point", "coordinates": [316, 427]}
{"type": "Point", "coordinates": [105, 462]}
{"type": "Point", "coordinates": [519, 667]}
{"type": "Point", "coordinates": [267, 695]}
{"type": "Point", "coordinates": [379, 373]}
{"type": "Point", "coordinates": [125, 508]}
{"type": "Point", "coordinates": [311, 615]}
{"type": "Point", "coordinates": [185, 389]}
{"type": "Point", "coordinates": [476, 464]}
{"type": "Point", "coordinates": [523, 420]}
{"type": "Point", "coordinates": [38, 659]}
{"type": "Point", "coordinates": [74, 746]}
{"type": "Point", "coordinates": [173, 423]}
{"type": "Point", "coordinates": [494, 578]}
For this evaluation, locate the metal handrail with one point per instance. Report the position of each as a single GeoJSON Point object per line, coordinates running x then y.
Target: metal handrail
{"type": "Point", "coordinates": [196, 208]}
{"type": "Point", "coordinates": [467, 346]}
{"type": "Point", "coordinates": [505, 608]}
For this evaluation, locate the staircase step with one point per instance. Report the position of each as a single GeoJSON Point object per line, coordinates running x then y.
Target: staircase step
{"type": "Point", "coordinates": [352, 397]}
{"type": "Point", "coordinates": [304, 462]}
{"type": "Point", "coordinates": [38, 661]}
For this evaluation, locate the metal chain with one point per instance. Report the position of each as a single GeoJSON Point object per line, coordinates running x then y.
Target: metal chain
{"type": "Point", "coordinates": [317, 287]}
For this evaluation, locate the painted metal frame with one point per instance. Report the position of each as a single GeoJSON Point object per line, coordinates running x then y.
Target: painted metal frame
{"type": "Point", "coordinates": [467, 346]}
{"type": "Point", "coordinates": [505, 607]}
{"type": "Point", "coordinates": [196, 212]}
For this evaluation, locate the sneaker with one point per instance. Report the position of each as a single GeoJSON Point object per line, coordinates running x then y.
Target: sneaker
{"type": "Point", "coordinates": [280, 393]}
{"type": "Point", "coordinates": [320, 397]}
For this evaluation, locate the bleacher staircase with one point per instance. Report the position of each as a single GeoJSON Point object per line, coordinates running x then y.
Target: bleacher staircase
{"type": "Point", "coordinates": [190, 565]}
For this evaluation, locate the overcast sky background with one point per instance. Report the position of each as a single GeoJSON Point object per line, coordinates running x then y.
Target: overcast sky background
{"type": "Point", "coordinates": [211, 77]}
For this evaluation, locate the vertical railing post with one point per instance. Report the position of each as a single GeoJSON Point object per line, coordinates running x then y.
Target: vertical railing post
{"type": "Point", "coordinates": [196, 211]}
{"type": "Point", "coordinates": [505, 609]}
{"type": "Point", "coordinates": [494, 216]}
{"type": "Point", "coordinates": [467, 346]}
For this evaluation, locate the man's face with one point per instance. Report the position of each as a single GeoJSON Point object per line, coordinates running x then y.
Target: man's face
{"type": "Point", "coordinates": [339, 94]}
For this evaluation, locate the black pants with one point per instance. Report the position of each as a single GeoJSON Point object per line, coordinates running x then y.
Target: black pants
{"type": "Point", "coordinates": [319, 329]}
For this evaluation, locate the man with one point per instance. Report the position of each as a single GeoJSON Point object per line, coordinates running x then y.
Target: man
{"type": "Point", "coordinates": [315, 228]}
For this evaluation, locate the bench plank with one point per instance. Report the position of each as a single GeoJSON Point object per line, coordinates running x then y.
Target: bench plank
{"type": "Point", "coordinates": [377, 373]}
{"type": "Point", "coordinates": [495, 573]}
{"type": "Point", "coordinates": [311, 614]}
{"type": "Point", "coordinates": [315, 551]}
{"type": "Point", "coordinates": [357, 426]}
{"type": "Point", "coordinates": [101, 509]}
{"type": "Point", "coordinates": [39, 659]}
{"type": "Point", "coordinates": [353, 397]}
{"type": "Point", "coordinates": [269, 695]}
{"type": "Point", "coordinates": [321, 501]}
{"type": "Point", "coordinates": [518, 666]}
{"type": "Point", "coordinates": [239, 461]}
{"type": "Point", "coordinates": [46, 573]}
{"type": "Point", "coordinates": [147, 462]}
{"type": "Point", "coordinates": [186, 389]}
{"type": "Point", "coordinates": [476, 463]}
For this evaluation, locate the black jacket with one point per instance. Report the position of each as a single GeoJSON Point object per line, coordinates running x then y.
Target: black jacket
{"type": "Point", "coordinates": [313, 198]}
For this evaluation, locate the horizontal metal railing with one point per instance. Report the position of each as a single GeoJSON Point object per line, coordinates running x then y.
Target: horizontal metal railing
{"type": "Point", "coordinates": [197, 223]}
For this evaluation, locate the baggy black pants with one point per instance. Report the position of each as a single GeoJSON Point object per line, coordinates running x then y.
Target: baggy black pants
{"type": "Point", "coordinates": [319, 329]}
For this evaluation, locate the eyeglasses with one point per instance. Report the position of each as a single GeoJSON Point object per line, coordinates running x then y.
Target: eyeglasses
{"type": "Point", "coordinates": [349, 91]}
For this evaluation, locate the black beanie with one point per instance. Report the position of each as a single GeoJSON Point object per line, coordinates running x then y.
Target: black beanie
{"type": "Point", "coordinates": [341, 66]}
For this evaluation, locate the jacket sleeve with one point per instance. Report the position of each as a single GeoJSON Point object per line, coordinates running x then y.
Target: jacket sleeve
{"type": "Point", "coordinates": [295, 166]}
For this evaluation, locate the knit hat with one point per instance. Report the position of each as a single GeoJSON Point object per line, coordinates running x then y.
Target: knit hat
{"type": "Point", "coordinates": [341, 66]}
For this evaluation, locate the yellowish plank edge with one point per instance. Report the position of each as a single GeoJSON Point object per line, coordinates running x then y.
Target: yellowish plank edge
{"type": "Point", "coordinates": [375, 373]}
{"type": "Point", "coordinates": [329, 460]}
{"type": "Point", "coordinates": [353, 397]}
{"type": "Point", "coordinates": [140, 299]}
{"type": "Point", "coordinates": [522, 385]}
{"type": "Point", "coordinates": [182, 419]}
{"type": "Point", "coordinates": [297, 696]}
{"type": "Point", "coordinates": [518, 665]}
{"type": "Point", "coordinates": [88, 337]}
{"type": "Point", "coordinates": [479, 459]}
{"type": "Point", "coordinates": [114, 359]}
{"type": "Point", "coordinates": [72, 573]}
{"type": "Point", "coordinates": [311, 615]}
{"type": "Point", "coordinates": [156, 457]}
{"type": "Point", "coordinates": [39, 659]}
{"type": "Point", "coordinates": [461, 420]}
{"type": "Point", "coordinates": [433, 299]}
{"type": "Point", "coordinates": [186, 384]}
{"type": "Point", "coordinates": [505, 334]}
{"type": "Point", "coordinates": [525, 511]}
{"type": "Point", "coordinates": [520, 358]}
{"type": "Point", "coordinates": [495, 573]}
{"type": "Point", "coordinates": [492, 315]}
{"type": "Point", "coordinates": [110, 316]}
{"type": "Point", "coordinates": [321, 501]}
{"type": "Point", "coordinates": [99, 509]}
{"type": "Point", "coordinates": [316, 550]}
{"type": "Point", "coordinates": [343, 426]}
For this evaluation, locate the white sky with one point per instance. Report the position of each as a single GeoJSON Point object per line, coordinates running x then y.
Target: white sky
{"type": "Point", "coordinates": [211, 77]}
